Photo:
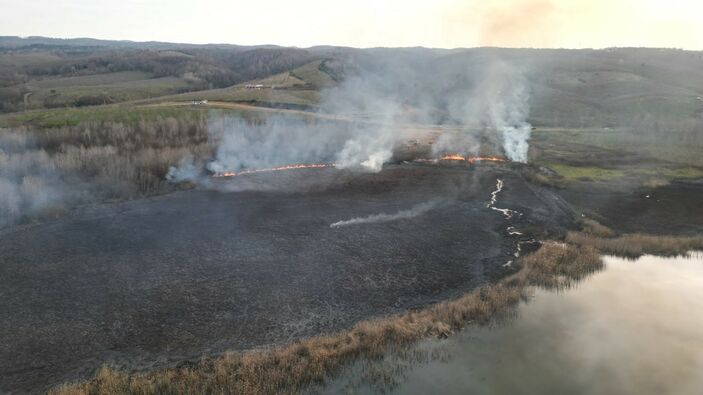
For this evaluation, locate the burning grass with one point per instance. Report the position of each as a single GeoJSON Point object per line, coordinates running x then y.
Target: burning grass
{"type": "Point", "coordinates": [637, 244]}
{"type": "Point", "coordinates": [471, 159]}
{"type": "Point", "coordinates": [294, 367]}
{"type": "Point", "coordinates": [229, 174]}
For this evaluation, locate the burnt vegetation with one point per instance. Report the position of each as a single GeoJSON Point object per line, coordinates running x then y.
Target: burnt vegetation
{"type": "Point", "coordinates": [295, 367]}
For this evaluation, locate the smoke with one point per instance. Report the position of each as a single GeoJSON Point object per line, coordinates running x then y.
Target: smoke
{"type": "Point", "coordinates": [515, 141]}
{"type": "Point", "coordinates": [482, 104]}
{"type": "Point", "coordinates": [402, 214]}
{"type": "Point", "coordinates": [508, 102]}
{"type": "Point", "coordinates": [30, 184]}
{"type": "Point", "coordinates": [497, 101]}
{"type": "Point", "coordinates": [284, 140]}
{"type": "Point", "coordinates": [368, 109]}
{"type": "Point", "coordinates": [461, 143]}
{"type": "Point", "coordinates": [277, 141]}
{"type": "Point", "coordinates": [186, 170]}
{"type": "Point", "coordinates": [362, 154]}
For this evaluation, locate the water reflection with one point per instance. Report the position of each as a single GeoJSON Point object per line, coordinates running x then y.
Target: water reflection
{"type": "Point", "coordinates": [634, 328]}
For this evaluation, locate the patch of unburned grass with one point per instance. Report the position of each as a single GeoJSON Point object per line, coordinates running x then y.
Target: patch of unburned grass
{"type": "Point", "coordinates": [292, 368]}
{"type": "Point", "coordinates": [62, 117]}
{"type": "Point", "coordinates": [557, 265]}
{"type": "Point", "coordinates": [648, 176]}
{"type": "Point", "coordinates": [683, 173]}
{"type": "Point", "coordinates": [93, 162]}
{"type": "Point", "coordinates": [677, 142]}
{"type": "Point", "coordinates": [595, 228]}
{"type": "Point", "coordinates": [635, 245]}
{"type": "Point", "coordinates": [573, 173]}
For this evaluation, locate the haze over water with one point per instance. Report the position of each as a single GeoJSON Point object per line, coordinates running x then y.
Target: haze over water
{"type": "Point", "coordinates": [634, 328]}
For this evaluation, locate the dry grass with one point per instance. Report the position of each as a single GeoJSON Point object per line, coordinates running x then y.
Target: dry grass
{"type": "Point", "coordinates": [533, 175]}
{"type": "Point", "coordinates": [595, 228]}
{"type": "Point", "coordinates": [50, 170]}
{"type": "Point", "coordinates": [634, 245]}
{"type": "Point", "coordinates": [137, 154]}
{"type": "Point", "coordinates": [558, 265]}
{"type": "Point", "coordinates": [292, 368]}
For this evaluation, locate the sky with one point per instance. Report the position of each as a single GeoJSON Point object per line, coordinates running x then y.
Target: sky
{"type": "Point", "coordinates": [367, 23]}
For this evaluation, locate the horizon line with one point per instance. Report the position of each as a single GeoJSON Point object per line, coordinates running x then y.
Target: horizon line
{"type": "Point", "coordinates": [335, 45]}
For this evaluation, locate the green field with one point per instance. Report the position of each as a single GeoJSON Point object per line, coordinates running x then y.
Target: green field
{"type": "Point", "coordinates": [297, 88]}
{"type": "Point", "coordinates": [105, 88]}
{"type": "Point", "coordinates": [114, 113]}
{"type": "Point", "coordinates": [682, 147]}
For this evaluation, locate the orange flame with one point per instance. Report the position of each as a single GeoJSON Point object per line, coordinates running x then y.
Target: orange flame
{"type": "Point", "coordinates": [453, 157]}
{"type": "Point", "coordinates": [272, 169]}
{"type": "Point", "coordinates": [472, 159]}
{"type": "Point", "coordinates": [475, 159]}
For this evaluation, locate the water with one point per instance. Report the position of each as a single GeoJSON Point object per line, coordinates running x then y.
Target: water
{"type": "Point", "coordinates": [634, 328]}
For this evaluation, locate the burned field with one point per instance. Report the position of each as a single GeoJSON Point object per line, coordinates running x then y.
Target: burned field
{"type": "Point", "coordinates": [673, 209]}
{"type": "Point", "coordinates": [251, 262]}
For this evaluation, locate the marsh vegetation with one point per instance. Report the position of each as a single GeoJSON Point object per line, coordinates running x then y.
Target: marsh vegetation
{"type": "Point", "coordinates": [44, 172]}
{"type": "Point", "coordinates": [635, 245]}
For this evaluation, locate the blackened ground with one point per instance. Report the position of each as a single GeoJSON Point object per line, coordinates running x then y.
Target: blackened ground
{"type": "Point", "coordinates": [674, 209]}
{"type": "Point", "coordinates": [149, 283]}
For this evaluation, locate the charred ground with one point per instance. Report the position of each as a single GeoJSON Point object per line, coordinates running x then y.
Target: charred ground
{"type": "Point", "coordinates": [149, 283]}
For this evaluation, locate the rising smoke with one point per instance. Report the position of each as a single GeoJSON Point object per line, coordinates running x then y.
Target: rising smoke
{"type": "Point", "coordinates": [30, 183]}
{"type": "Point", "coordinates": [373, 106]}
{"type": "Point", "coordinates": [415, 211]}
{"type": "Point", "coordinates": [508, 103]}
{"type": "Point", "coordinates": [497, 100]}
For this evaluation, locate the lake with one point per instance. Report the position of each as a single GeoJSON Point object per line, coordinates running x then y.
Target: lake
{"type": "Point", "coordinates": [634, 328]}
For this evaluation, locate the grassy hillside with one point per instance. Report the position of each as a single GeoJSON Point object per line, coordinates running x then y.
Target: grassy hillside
{"type": "Point", "coordinates": [55, 73]}
{"type": "Point", "coordinates": [297, 88]}
{"type": "Point", "coordinates": [568, 88]}
{"type": "Point", "coordinates": [97, 89]}
{"type": "Point", "coordinates": [586, 88]}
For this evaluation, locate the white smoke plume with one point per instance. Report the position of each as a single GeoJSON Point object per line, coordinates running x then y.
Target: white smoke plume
{"type": "Point", "coordinates": [491, 94]}
{"type": "Point", "coordinates": [373, 140]}
{"type": "Point", "coordinates": [456, 143]}
{"type": "Point", "coordinates": [284, 140]}
{"type": "Point", "coordinates": [508, 107]}
{"type": "Point", "coordinates": [515, 142]}
{"type": "Point", "coordinates": [362, 139]}
{"type": "Point", "coordinates": [479, 103]}
{"type": "Point", "coordinates": [186, 170]}
{"type": "Point", "coordinates": [360, 154]}
{"type": "Point", "coordinates": [30, 184]}
{"type": "Point", "coordinates": [415, 211]}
